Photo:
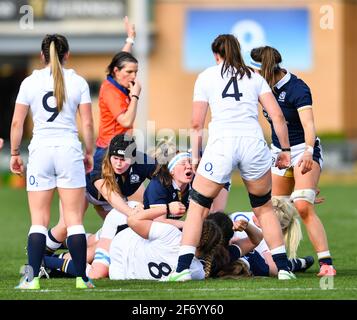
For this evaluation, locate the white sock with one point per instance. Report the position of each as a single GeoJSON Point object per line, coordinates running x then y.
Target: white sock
{"type": "Point", "coordinates": [186, 250]}
{"type": "Point", "coordinates": [278, 250]}
{"type": "Point", "coordinates": [323, 254]}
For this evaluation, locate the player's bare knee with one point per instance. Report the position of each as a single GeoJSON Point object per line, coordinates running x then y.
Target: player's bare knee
{"type": "Point", "coordinates": [200, 199]}
{"type": "Point", "coordinates": [258, 201]}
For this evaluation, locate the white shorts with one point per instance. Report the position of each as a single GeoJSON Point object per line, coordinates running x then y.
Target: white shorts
{"type": "Point", "coordinates": [222, 155]}
{"type": "Point", "coordinates": [55, 166]}
{"type": "Point", "coordinates": [114, 219]}
{"type": "Point", "coordinates": [296, 153]}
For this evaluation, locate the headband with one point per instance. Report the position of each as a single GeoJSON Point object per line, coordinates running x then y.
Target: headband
{"type": "Point", "coordinates": [173, 162]}
{"type": "Point", "coordinates": [255, 64]}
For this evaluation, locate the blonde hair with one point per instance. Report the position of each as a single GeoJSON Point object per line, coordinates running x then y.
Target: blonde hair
{"type": "Point", "coordinates": [54, 48]}
{"type": "Point", "coordinates": [290, 224]}
{"type": "Point", "coordinates": [59, 86]}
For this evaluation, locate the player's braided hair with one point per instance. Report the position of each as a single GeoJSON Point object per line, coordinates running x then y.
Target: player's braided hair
{"type": "Point", "coordinates": [54, 47]}
{"type": "Point", "coordinates": [270, 59]}
{"type": "Point", "coordinates": [234, 270]}
{"type": "Point", "coordinates": [211, 245]}
{"type": "Point", "coordinates": [228, 47]}
{"type": "Point", "coordinates": [224, 268]}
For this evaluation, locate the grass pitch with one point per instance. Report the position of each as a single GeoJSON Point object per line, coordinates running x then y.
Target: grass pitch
{"type": "Point", "coordinates": [338, 213]}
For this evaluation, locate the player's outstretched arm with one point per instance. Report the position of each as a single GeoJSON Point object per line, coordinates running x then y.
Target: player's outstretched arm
{"type": "Point", "coordinates": [131, 34]}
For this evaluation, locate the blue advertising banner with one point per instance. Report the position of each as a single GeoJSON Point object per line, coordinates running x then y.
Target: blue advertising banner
{"type": "Point", "coordinates": [287, 30]}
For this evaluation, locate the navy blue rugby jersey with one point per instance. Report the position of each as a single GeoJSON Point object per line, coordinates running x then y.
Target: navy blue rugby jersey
{"type": "Point", "coordinates": [157, 193]}
{"type": "Point", "coordinates": [128, 182]}
{"type": "Point", "coordinates": [291, 93]}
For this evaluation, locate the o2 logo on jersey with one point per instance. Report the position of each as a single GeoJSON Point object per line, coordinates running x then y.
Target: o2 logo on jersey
{"type": "Point", "coordinates": [32, 181]}
{"type": "Point", "coordinates": [45, 104]}
{"type": "Point", "coordinates": [159, 270]}
{"type": "Point", "coordinates": [209, 167]}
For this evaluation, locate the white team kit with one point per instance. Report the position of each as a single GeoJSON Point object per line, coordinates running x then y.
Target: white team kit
{"type": "Point", "coordinates": [133, 257]}
{"type": "Point", "coordinates": [55, 152]}
{"type": "Point", "coordinates": [235, 136]}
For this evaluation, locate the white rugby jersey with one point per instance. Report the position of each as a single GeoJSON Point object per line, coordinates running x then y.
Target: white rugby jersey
{"type": "Point", "coordinates": [233, 101]}
{"type": "Point", "coordinates": [262, 246]}
{"type": "Point", "coordinates": [133, 257]}
{"type": "Point", "coordinates": [36, 91]}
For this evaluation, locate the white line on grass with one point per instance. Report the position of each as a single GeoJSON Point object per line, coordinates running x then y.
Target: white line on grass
{"type": "Point", "coordinates": [189, 289]}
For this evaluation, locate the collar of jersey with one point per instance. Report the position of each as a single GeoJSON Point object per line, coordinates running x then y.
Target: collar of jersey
{"type": "Point", "coordinates": [176, 187]}
{"type": "Point", "coordinates": [117, 85]}
{"type": "Point", "coordinates": [283, 80]}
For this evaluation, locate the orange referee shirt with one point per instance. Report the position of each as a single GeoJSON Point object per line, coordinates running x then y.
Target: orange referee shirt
{"type": "Point", "coordinates": [112, 102]}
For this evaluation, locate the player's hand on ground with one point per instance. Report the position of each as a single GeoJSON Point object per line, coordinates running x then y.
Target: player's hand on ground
{"type": "Point", "coordinates": [130, 28]}
{"type": "Point", "coordinates": [306, 162]}
{"type": "Point", "coordinates": [16, 165]}
{"type": "Point", "coordinates": [283, 160]}
{"type": "Point", "coordinates": [240, 225]}
{"type": "Point", "coordinates": [177, 208]}
{"type": "Point", "coordinates": [88, 162]}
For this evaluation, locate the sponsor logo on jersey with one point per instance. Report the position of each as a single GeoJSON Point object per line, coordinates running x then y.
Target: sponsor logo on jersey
{"type": "Point", "coordinates": [282, 96]}
{"type": "Point", "coordinates": [134, 178]}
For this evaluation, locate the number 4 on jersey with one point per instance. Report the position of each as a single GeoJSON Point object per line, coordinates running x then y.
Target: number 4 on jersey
{"type": "Point", "coordinates": [236, 95]}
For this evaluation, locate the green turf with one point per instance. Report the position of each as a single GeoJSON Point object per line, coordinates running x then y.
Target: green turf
{"type": "Point", "coordinates": [338, 213]}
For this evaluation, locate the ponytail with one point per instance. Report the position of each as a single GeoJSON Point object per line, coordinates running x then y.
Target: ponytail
{"type": "Point", "coordinates": [269, 58]}
{"type": "Point", "coordinates": [54, 47]}
{"type": "Point", "coordinates": [228, 47]}
{"type": "Point", "coordinates": [56, 68]}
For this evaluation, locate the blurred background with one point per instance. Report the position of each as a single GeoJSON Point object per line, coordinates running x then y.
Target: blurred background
{"type": "Point", "coordinates": [317, 39]}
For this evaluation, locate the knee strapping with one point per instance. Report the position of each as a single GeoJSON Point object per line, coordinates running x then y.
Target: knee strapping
{"type": "Point", "coordinates": [258, 201]}
{"type": "Point", "coordinates": [308, 195]}
{"type": "Point", "coordinates": [201, 199]}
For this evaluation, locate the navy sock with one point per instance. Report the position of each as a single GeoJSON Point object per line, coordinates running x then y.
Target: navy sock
{"type": "Point", "coordinates": [294, 264]}
{"type": "Point", "coordinates": [64, 265]}
{"type": "Point", "coordinates": [325, 261]}
{"type": "Point", "coordinates": [184, 262]}
{"type": "Point", "coordinates": [36, 245]}
{"type": "Point", "coordinates": [77, 245]}
{"type": "Point", "coordinates": [281, 261]}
